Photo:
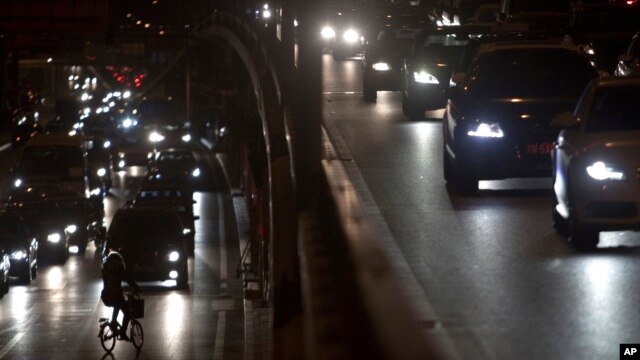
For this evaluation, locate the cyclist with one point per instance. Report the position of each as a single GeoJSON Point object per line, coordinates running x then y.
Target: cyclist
{"type": "Point", "coordinates": [114, 272]}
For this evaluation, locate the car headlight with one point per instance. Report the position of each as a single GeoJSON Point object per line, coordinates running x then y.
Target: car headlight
{"type": "Point", "coordinates": [96, 192]}
{"type": "Point", "coordinates": [174, 256]}
{"type": "Point", "coordinates": [127, 123]}
{"type": "Point", "coordinates": [486, 130]}
{"type": "Point", "coordinates": [186, 231]}
{"type": "Point", "coordinates": [106, 144]}
{"type": "Point", "coordinates": [17, 182]}
{"type": "Point", "coordinates": [350, 36]}
{"type": "Point", "coordinates": [101, 172]}
{"type": "Point", "coordinates": [602, 171]}
{"type": "Point", "coordinates": [186, 137]}
{"type": "Point", "coordinates": [381, 66]}
{"type": "Point", "coordinates": [18, 255]}
{"type": "Point", "coordinates": [121, 164]}
{"type": "Point", "coordinates": [54, 238]}
{"type": "Point", "coordinates": [195, 172]}
{"type": "Point", "coordinates": [424, 77]}
{"type": "Point", "coordinates": [71, 229]}
{"type": "Point", "coordinates": [327, 32]}
{"type": "Point", "coordinates": [155, 137]}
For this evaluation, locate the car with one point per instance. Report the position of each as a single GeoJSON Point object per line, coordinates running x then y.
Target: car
{"type": "Point", "coordinates": [100, 169]}
{"type": "Point", "coordinates": [382, 60]}
{"type": "Point", "coordinates": [629, 62]}
{"type": "Point", "coordinates": [83, 217]}
{"type": "Point", "coordinates": [595, 162]}
{"type": "Point", "coordinates": [496, 123]}
{"type": "Point", "coordinates": [57, 156]}
{"type": "Point", "coordinates": [21, 245]}
{"type": "Point", "coordinates": [603, 31]}
{"type": "Point", "coordinates": [5, 268]}
{"type": "Point", "coordinates": [26, 127]}
{"type": "Point", "coordinates": [176, 163]}
{"type": "Point", "coordinates": [171, 195]}
{"type": "Point", "coordinates": [47, 223]}
{"type": "Point", "coordinates": [426, 72]}
{"type": "Point", "coordinates": [152, 243]}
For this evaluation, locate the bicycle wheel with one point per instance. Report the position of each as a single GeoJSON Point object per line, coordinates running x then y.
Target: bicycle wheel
{"type": "Point", "coordinates": [136, 333]}
{"type": "Point", "coordinates": [107, 338]}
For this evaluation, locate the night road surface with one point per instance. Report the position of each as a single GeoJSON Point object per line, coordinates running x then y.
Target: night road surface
{"type": "Point", "coordinates": [490, 268]}
{"type": "Point", "coordinates": [56, 316]}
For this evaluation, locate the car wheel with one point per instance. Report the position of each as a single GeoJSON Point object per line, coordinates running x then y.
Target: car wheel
{"type": "Point", "coordinates": [464, 181]}
{"type": "Point", "coordinates": [583, 237]}
{"type": "Point", "coordinates": [411, 110]}
{"type": "Point", "coordinates": [26, 277]}
{"type": "Point", "coordinates": [447, 166]}
{"type": "Point", "coordinates": [560, 224]}
{"type": "Point", "coordinates": [34, 271]}
{"type": "Point", "coordinates": [369, 92]}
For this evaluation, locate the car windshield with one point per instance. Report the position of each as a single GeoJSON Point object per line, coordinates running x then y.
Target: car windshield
{"type": "Point", "coordinates": [520, 6]}
{"type": "Point", "coordinates": [530, 73]}
{"type": "Point", "coordinates": [137, 227]}
{"type": "Point", "coordinates": [176, 156]}
{"type": "Point", "coordinates": [64, 162]}
{"type": "Point", "coordinates": [615, 109]}
{"type": "Point", "coordinates": [41, 212]}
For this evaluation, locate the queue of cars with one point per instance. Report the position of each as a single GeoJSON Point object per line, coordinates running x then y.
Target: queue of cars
{"type": "Point", "coordinates": [502, 86]}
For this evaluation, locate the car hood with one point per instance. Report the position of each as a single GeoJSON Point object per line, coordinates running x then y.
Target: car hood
{"type": "Point", "coordinates": [618, 147]}
{"type": "Point", "coordinates": [540, 110]}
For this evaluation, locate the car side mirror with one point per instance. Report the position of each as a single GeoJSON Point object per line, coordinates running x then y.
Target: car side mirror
{"type": "Point", "coordinates": [196, 217]}
{"type": "Point", "coordinates": [625, 58]}
{"type": "Point", "coordinates": [458, 78]}
{"type": "Point", "coordinates": [564, 120]}
{"type": "Point", "coordinates": [129, 203]}
{"type": "Point", "coordinates": [194, 202]}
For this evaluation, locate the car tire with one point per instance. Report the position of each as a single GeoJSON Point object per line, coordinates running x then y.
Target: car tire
{"type": "Point", "coordinates": [411, 110]}
{"type": "Point", "coordinates": [560, 224]}
{"type": "Point", "coordinates": [34, 271]}
{"type": "Point", "coordinates": [368, 91]}
{"type": "Point", "coordinates": [447, 165]}
{"type": "Point", "coordinates": [464, 181]}
{"type": "Point", "coordinates": [583, 237]}
{"type": "Point", "coordinates": [26, 277]}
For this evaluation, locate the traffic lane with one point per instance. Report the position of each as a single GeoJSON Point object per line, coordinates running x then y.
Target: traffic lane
{"type": "Point", "coordinates": [499, 278]}
{"type": "Point", "coordinates": [62, 306]}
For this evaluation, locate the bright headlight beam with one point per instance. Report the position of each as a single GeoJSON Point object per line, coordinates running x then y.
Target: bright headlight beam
{"type": "Point", "coordinates": [174, 256]}
{"type": "Point", "coordinates": [54, 238]}
{"type": "Point", "coordinates": [424, 77]}
{"type": "Point", "coordinates": [487, 131]}
{"type": "Point", "coordinates": [602, 171]}
{"type": "Point", "coordinates": [328, 33]}
{"type": "Point", "coordinates": [350, 36]}
{"type": "Point", "coordinates": [381, 66]}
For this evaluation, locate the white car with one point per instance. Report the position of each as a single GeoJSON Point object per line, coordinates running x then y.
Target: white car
{"type": "Point", "coordinates": [596, 162]}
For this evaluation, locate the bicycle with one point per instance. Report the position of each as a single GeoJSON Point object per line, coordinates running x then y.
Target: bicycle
{"type": "Point", "coordinates": [109, 330]}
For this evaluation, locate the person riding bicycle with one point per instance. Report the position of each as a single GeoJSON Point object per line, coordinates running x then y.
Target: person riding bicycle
{"type": "Point", "coordinates": [114, 272]}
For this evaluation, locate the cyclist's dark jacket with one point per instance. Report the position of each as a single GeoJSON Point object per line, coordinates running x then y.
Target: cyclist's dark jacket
{"type": "Point", "coordinates": [113, 273]}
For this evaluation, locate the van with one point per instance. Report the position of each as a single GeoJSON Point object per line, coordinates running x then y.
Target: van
{"type": "Point", "coordinates": [50, 158]}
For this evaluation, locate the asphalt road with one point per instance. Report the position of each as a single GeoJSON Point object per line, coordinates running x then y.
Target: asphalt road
{"type": "Point", "coordinates": [496, 276]}
{"type": "Point", "coordinates": [56, 317]}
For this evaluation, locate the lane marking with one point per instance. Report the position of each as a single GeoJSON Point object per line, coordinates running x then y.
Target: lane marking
{"type": "Point", "coordinates": [5, 146]}
{"type": "Point", "coordinates": [219, 347]}
{"type": "Point", "coordinates": [11, 344]}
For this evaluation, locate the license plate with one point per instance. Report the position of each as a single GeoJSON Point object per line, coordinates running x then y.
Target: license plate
{"type": "Point", "coordinates": [543, 148]}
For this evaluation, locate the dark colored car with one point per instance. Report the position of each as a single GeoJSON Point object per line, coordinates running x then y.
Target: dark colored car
{"type": "Point", "coordinates": [171, 195]}
{"type": "Point", "coordinates": [382, 60]}
{"type": "Point", "coordinates": [22, 247]}
{"type": "Point", "coordinates": [176, 163]}
{"type": "Point", "coordinates": [629, 62]}
{"type": "Point", "coordinates": [99, 168]}
{"type": "Point", "coordinates": [83, 217]}
{"type": "Point", "coordinates": [5, 268]}
{"type": "Point", "coordinates": [426, 73]}
{"type": "Point", "coordinates": [47, 223]}
{"type": "Point", "coordinates": [603, 31]}
{"type": "Point", "coordinates": [497, 120]}
{"type": "Point", "coordinates": [24, 193]}
{"type": "Point", "coordinates": [26, 127]}
{"type": "Point", "coordinates": [152, 242]}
